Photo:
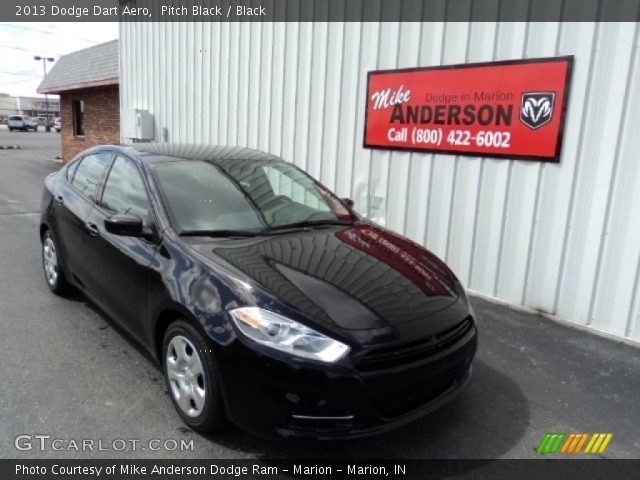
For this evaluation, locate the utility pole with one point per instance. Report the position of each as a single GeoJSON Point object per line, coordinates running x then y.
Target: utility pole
{"type": "Point", "coordinates": [47, 127]}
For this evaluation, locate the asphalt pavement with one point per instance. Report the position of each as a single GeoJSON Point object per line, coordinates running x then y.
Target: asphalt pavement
{"type": "Point", "coordinates": [70, 373]}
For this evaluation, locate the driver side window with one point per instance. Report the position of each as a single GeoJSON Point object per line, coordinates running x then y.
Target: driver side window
{"type": "Point", "coordinates": [124, 192]}
{"type": "Point", "coordinates": [88, 173]}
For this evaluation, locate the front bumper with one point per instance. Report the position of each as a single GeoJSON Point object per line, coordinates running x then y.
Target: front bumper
{"type": "Point", "coordinates": [279, 397]}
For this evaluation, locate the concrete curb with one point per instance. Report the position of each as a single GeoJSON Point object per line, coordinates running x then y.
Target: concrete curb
{"type": "Point", "coordinates": [556, 319]}
{"type": "Point", "coordinates": [10, 147]}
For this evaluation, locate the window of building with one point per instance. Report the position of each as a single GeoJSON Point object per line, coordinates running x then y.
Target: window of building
{"type": "Point", "coordinates": [78, 117]}
{"type": "Point", "coordinates": [89, 173]}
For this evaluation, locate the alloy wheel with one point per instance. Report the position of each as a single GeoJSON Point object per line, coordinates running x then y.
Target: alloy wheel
{"type": "Point", "coordinates": [186, 376]}
{"type": "Point", "coordinates": [50, 258]}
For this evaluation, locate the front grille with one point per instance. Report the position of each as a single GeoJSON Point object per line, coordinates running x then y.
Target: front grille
{"type": "Point", "coordinates": [407, 353]}
{"type": "Point", "coordinates": [405, 399]}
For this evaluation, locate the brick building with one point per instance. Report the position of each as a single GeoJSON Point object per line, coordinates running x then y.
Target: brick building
{"type": "Point", "coordinates": [88, 84]}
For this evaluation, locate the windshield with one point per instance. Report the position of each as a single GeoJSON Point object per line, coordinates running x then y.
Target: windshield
{"type": "Point", "coordinates": [244, 195]}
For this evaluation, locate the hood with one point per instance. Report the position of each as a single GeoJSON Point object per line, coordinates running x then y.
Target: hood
{"type": "Point", "coordinates": [368, 282]}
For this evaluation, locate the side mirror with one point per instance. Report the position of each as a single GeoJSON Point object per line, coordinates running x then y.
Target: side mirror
{"type": "Point", "coordinates": [348, 202]}
{"type": "Point", "coordinates": [125, 225]}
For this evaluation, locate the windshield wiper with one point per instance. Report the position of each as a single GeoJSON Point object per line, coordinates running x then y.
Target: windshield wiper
{"type": "Point", "coordinates": [220, 233]}
{"type": "Point", "coordinates": [253, 233]}
{"type": "Point", "coordinates": [311, 223]}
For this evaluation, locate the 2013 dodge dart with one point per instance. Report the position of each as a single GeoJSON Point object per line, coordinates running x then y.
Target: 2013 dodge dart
{"type": "Point", "coordinates": [267, 299]}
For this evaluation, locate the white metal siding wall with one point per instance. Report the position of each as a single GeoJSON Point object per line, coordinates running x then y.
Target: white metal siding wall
{"type": "Point", "coordinates": [558, 238]}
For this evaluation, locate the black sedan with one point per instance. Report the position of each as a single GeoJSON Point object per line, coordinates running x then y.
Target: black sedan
{"type": "Point", "coordinates": [267, 300]}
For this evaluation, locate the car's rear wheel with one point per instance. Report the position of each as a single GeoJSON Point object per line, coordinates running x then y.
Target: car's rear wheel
{"type": "Point", "coordinates": [52, 267]}
{"type": "Point", "coordinates": [191, 373]}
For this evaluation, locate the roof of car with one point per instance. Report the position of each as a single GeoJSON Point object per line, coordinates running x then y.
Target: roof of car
{"type": "Point", "coordinates": [166, 152]}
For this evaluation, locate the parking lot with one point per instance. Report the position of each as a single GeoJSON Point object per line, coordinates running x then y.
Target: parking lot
{"type": "Point", "coordinates": [69, 372]}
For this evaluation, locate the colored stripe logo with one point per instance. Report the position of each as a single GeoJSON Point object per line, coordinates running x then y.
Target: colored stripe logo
{"type": "Point", "coordinates": [574, 443]}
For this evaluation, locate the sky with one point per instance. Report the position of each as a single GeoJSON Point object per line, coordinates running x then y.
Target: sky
{"type": "Point", "coordinates": [20, 74]}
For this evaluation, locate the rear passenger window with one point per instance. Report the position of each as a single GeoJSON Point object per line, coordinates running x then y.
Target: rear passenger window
{"type": "Point", "coordinates": [89, 173]}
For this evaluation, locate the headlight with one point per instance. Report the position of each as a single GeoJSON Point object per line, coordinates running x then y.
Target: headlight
{"type": "Point", "coordinates": [278, 332]}
{"type": "Point", "coordinates": [465, 296]}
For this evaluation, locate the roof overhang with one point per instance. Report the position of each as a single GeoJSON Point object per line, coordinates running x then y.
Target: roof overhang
{"type": "Point", "coordinates": [81, 86]}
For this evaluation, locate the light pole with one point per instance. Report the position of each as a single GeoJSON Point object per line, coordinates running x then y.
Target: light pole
{"type": "Point", "coordinates": [47, 125]}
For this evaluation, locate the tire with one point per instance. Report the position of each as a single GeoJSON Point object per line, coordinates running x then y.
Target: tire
{"type": "Point", "coordinates": [11, 129]}
{"type": "Point", "coordinates": [197, 397]}
{"type": "Point", "coordinates": [51, 266]}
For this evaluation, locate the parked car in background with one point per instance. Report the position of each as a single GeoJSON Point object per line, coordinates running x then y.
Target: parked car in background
{"type": "Point", "coordinates": [265, 297]}
{"type": "Point", "coordinates": [57, 124]}
{"type": "Point", "coordinates": [22, 122]}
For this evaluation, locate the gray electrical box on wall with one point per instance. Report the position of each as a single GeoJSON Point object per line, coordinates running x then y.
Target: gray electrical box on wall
{"type": "Point", "coordinates": [137, 125]}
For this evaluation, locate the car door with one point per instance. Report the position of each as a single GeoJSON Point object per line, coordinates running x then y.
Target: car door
{"type": "Point", "coordinates": [72, 203]}
{"type": "Point", "coordinates": [119, 264]}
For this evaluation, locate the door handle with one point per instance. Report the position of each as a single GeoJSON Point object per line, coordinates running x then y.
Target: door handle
{"type": "Point", "coordinates": [59, 199]}
{"type": "Point", "coordinates": [92, 228]}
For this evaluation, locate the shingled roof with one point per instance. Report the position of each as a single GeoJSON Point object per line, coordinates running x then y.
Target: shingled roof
{"type": "Point", "coordinates": [92, 67]}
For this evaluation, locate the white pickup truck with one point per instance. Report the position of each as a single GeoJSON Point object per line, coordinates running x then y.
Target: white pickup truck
{"type": "Point", "coordinates": [22, 122]}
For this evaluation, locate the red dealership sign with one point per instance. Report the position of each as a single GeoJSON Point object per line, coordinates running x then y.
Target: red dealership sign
{"type": "Point", "coordinates": [512, 109]}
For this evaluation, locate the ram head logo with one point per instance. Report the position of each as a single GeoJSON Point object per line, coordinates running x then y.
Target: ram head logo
{"type": "Point", "coordinates": [536, 109]}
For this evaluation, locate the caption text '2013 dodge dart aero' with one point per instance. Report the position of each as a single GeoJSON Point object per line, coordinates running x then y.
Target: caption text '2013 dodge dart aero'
{"type": "Point", "coordinates": [266, 299]}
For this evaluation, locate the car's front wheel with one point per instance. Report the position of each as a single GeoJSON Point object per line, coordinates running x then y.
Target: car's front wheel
{"type": "Point", "coordinates": [191, 373]}
{"type": "Point", "coordinates": [52, 267]}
